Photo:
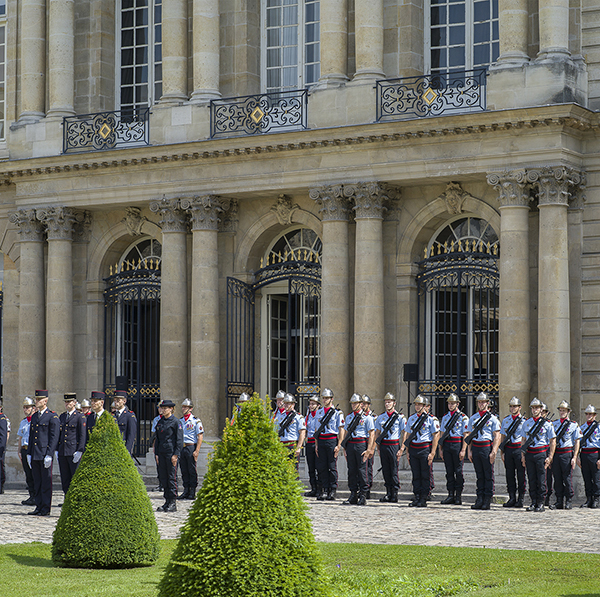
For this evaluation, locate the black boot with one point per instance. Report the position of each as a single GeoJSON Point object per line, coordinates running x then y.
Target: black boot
{"type": "Point", "coordinates": [330, 495]}
{"type": "Point", "coordinates": [558, 505]}
{"type": "Point", "coordinates": [394, 497]}
{"type": "Point", "coordinates": [362, 499]}
{"type": "Point", "coordinates": [458, 499]}
{"type": "Point", "coordinates": [568, 505]}
{"type": "Point", "coordinates": [184, 495]}
{"type": "Point", "coordinates": [539, 507]}
{"type": "Point", "coordinates": [449, 499]}
{"type": "Point", "coordinates": [352, 500]}
{"type": "Point", "coordinates": [587, 503]}
{"type": "Point", "coordinates": [191, 493]}
{"type": "Point", "coordinates": [478, 503]}
{"type": "Point", "coordinates": [519, 503]}
{"type": "Point", "coordinates": [512, 501]}
{"type": "Point", "coordinates": [595, 503]}
{"type": "Point", "coordinates": [28, 502]}
{"type": "Point", "coordinates": [385, 498]}
{"type": "Point", "coordinates": [414, 502]}
{"type": "Point", "coordinates": [321, 496]}
{"type": "Point", "coordinates": [170, 507]}
{"type": "Point", "coordinates": [531, 507]}
{"type": "Point", "coordinates": [163, 508]}
{"type": "Point", "coordinates": [422, 503]}
{"type": "Point", "coordinates": [312, 493]}
{"type": "Point", "coordinates": [486, 503]}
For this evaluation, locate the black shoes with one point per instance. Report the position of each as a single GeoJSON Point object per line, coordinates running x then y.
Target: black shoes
{"type": "Point", "coordinates": [539, 508]}
{"type": "Point", "coordinates": [531, 507]}
{"type": "Point", "coordinates": [512, 501]}
{"type": "Point", "coordinates": [330, 495]}
{"type": "Point", "coordinates": [37, 512]}
{"type": "Point", "coordinates": [413, 503]}
{"type": "Point", "coordinates": [362, 499]}
{"type": "Point", "coordinates": [422, 503]}
{"type": "Point", "coordinates": [568, 505]}
{"type": "Point", "coordinates": [34, 513]}
{"type": "Point", "coordinates": [449, 500]}
{"type": "Point", "coordinates": [486, 503]}
{"type": "Point", "coordinates": [478, 504]}
{"type": "Point", "coordinates": [352, 500]}
{"type": "Point", "coordinates": [311, 493]}
{"type": "Point", "coordinates": [458, 499]}
{"type": "Point", "coordinates": [168, 507]}
{"type": "Point", "coordinates": [28, 502]}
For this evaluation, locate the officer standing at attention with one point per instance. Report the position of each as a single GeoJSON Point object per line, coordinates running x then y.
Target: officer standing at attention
{"type": "Point", "coordinates": [86, 407]}
{"type": "Point", "coordinates": [511, 455]}
{"type": "Point", "coordinates": [279, 407]}
{"type": "Point", "coordinates": [424, 434]}
{"type": "Point", "coordinates": [193, 434]}
{"type": "Point", "coordinates": [483, 450]}
{"type": "Point", "coordinates": [97, 402]}
{"type": "Point", "coordinates": [589, 458]}
{"type": "Point", "coordinates": [538, 456]}
{"type": "Point", "coordinates": [314, 402]}
{"type": "Point", "coordinates": [565, 457]}
{"type": "Point", "coordinates": [388, 431]}
{"type": "Point", "coordinates": [71, 442]}
{"type": "Point", "coordinates": [453, 426]}
{"type": "Point", "coordinates": [292, 437]}
{"type": "Point", "coordinates": [244, 397]}
{"type": "Point", "coordinates": [549, 477]}
{"type": "Point", "coordinates": [43, 441]}
{"type": "Point", "coordinates": [359, 448]}
{"type": "Point", "coordinates": [23, 442]}
{"type": "Point", "coordinates": [330, 421]}
{"type": "Point", "coordinates": [169, 443]}
{"type": "Point", "coordinates": [4, 435]}
{"type": "Point", "coordinates": [367, 410]}
{"type": "Point", "coordinates": [156, 419]}
{"type": "Point", "coordinates": [125, 420]}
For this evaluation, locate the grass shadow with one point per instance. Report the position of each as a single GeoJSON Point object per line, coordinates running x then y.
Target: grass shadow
{"type": "Point", "coordinates": [31, 561]}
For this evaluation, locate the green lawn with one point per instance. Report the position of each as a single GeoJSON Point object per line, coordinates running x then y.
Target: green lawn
{"type": "Point", "coordinates": [355, 571]}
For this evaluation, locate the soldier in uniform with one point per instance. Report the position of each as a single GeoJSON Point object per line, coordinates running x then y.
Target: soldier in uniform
{"type": "Point", "coordinates": [549, 477]}
{"type": "Point", "coordinates": [421, 449]}
{"type": "Point", "coordinates": [23, 442]}
{"type": "Point", "coordinates": [369, 411]}
{"type": "Point", "coordinates": [314, 402]}
{"type": "Point", "coordinates": [71, 441]}
{"type": "Point", "coordinates": [359, 449]}
{"type": "Point", "coordinates": [538, 456]}
{"type": "Point", "coordinates": [565, 457]}
{"type": "Point", "coordinates": [125, 420]}
{"type": "Point", "coordinates": [292, 437]}
{"type": "Point", "coordinates": [451, 449]}
{"type": "Point", "coordinates": [482, 452]}
{"type": "Point", "coordinates": [86, 407]}
{"type": "Point", "coordinates": [393, 423]}
{"type": "Point", "coordinates": [279, 407]}
{"type": "Point", "coordinates": [243, 398]}
{"type": "Point", "coordinates": [97, 402]}
{"type": "Point", "coordinates": [169, 443]}
{"type": "Point", "coordinates": [327, 442]}
{"type": "Point", "coordinates": [193, 434]}
{"type": "Point", "coordinates": [156, 419]}
{"type": "Point", "coordinates": [589, 458]}
{"type": "Point", "coordinates": [43, 441]}
{"type": "Point", "coordinates": [4, 435]}
{"type": "Point", "coordinates": [513, 465]}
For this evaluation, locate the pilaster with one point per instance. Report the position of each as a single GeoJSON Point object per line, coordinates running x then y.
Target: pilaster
{"type": "Point", "coordinates": [206, 50]}
{"type": "Point", "coordinates": [175, 51]}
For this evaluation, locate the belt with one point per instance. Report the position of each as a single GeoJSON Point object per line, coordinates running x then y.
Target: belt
{"type": "Point", "coordinates": [482, 444]}
{"type": "Point", "coordinates": [310, 440]}
{"type": "Point", "coordinates": [590, 450]}
{"type": "Point", "coordinates": [513, 445]}
{"type": "Point", "coordinates": [453, 440]}
{"type": "Point", "coordinates": [537, 450]}
{"type": "Point", "coordinates": [289, 443]}
{"type": "Point", "coordinates": [419, 445]}
{"type": "Point", "coordinates": [564, 450]}
{"type": "Point", "coordinates": [358, 440]}
{"type": "Point", "coordinates": [390, 442]}
{"type": "Point", "coordinates": [186, 445]}
{"type": "Point", "coordinates": [328, 436]}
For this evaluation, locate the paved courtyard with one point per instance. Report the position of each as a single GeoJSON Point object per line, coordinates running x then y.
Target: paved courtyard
{"type": "Point", "coordinates": [567, 530]}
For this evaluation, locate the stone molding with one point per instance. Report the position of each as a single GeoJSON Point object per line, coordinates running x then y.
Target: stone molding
{"type": "Point", "coordinates": [134, 220]}
{"type": "Point", "coordinates": [82, 229]}
{"type": "Point", "coordinates": [512, 187]}
{"type": "Point", "coordinates": [455, 196]}
{"type": "Point", "coordinates": [556, 184]}
{"type": "Point", "coordinates": [31, 229]}
{"type": "Point", "coordinates": [172, 217]}
{"type": "Point", "coordinates": [205, 210]}
{"type": "Point", "coordinates": [334, 205]}
{"type": "Point", "coordinates": [371, 199]}
{"type": "Point", "coordinates": [284, 210]}
{"type": "Point", "coordinates": [59, 221]}
{"type": "Point", "coordinates": [229, 219]}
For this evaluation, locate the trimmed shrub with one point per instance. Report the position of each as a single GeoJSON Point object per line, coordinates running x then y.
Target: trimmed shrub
{"type": "Point", "coordinates": [247, 533]}
{"type": "Point", "coordinates": [107, 520]}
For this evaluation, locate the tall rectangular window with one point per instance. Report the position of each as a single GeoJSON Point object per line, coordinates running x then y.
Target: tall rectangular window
{"type": "Point", "coordinates": [2, 70]}
{"type": "Point", "coordinates": [461, 35]}
{"type": "Point", "coordinates": [140, 53]}
{"type": "Point", "coordinates": [291, 44]}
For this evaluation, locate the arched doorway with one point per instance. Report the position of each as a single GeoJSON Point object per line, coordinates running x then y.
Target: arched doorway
{"type": "Point", "coordinates": [132, 332]}
{"type": "Point", "coordinates": [458, 321]}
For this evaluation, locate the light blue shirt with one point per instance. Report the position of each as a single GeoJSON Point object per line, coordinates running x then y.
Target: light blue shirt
{"type": "Point", "coordinates": [311, 424]}
{"type": "Point", "coordinates": [544, 436]}
{"type": "Point", "coordinates": [364, 428]}
{"type": "Point", "coordinates": [395, 433]}
{"type": "Point", "coordinates": [292, 432]}
{"type": "Point", "coordinates": [458, 429]}
{"type": "Point", "coordinates": [594, 440]}
{"type": "Point", "coordinates": [192, 428]}
{"type": "Point", "coordinates": [23, 431]}
{"type": "Point", "coordinates": [486, 434]}
{"type": "Point", "coordinates": [426, 433]}
{"type": "Point", "coordinates": [517, 435]}
{"type": "Point", "coordinates": [572, 434]}
{"type": "Point", "coordinates": [154, 422]}
{"type": "Point", "coordinates": [336, 421]}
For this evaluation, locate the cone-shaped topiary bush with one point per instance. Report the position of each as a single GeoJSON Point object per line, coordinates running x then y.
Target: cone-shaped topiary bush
{"type": "Point", "coordinates": [247, 533]}
{"type": "Point", "coordinates": [107, 520]}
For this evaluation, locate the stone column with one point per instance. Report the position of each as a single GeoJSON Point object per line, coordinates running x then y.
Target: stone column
{"type": "Point", "coordinates": [175, 51]}
{"type": "Point", "coordinates": [514, 362]}
{"type": "Point", "coordinates": [32, 312]}
{"type": "Point", "coordinates": [61, 60]}
{"type": "Point", "coordinates": [205, 355]}
{"type": "Point", "coordinates": [59, 223]}
{"type": "Point", "coordinates": [334, 43]}
{"type": "Point", "coordinates": [368, 19]}
{"type": "Point", "coordinates": [514, 17]}
{"type": "Point", "coordinates": [555, 185]}
{"type": "Point", "coordinates": [335, 291]}
{"type": "Point", "coordinates": [554, 29]}
{"type": "Point", "coordinates": [33, 63]}
{"type": "Point", "coordinates": [206, 50]}
{"type": "Point", "coordinates": [173, 301]}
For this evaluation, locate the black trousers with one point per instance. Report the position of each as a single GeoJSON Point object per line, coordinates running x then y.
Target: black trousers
{"type": "Point", "coordinates": [549, 482]}
{"type": "Point", "coordinates": [536, 473]}
{"type": "Point", "coordinates": [27, 471]}
{"type": "Point", "coordinates": [421, 470]}
{"type": "Point", "coordinates": [67, 469]}
{"type": "Point", "coordinates": [167, 474]}
{"type": "Point", "coordinates": [515, 471]}
{"type": "Point", "coordinates": [563, 475]}
{"type": "Point", "coordinates": [591, 474]}
{"type": "Point", "coordinates": [484, 470]}
{"type": "Point", "coordinates": [327, 464]}
{"type": "Point", "coordinates": [189, 473]}
{"type": "Point", "coordinates": [42, 483]}
{"type": "Point", "coordinates": [358, 481]}
{"type": "Point", "coordinates": [2, 470]}
{"type": "Point", "coordinates": [455, 480]}
{"type": "Point", "coordinates": [389, 466]}
{"type": "Point", "coordinates": [311, 462]}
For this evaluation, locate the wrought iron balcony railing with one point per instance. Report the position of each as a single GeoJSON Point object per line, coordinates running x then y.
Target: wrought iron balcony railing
{"type": "Point", "coordinates": [258, 114]}
{"type": "Point", "coordinates": [106, 130]}
{"type": "Point", "coordinates": [431, 95]}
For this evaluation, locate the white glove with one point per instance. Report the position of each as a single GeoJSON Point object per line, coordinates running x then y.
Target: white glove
{"type": "Point", "coordinates": [76, 457]}
{"type": "Point", "coordinates": [47, 461]}
{"type": "Point", "coordinates": [29, 460]}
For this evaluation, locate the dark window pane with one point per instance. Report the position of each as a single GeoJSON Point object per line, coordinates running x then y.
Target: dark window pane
{"type": "Point", "coordinates": [456, 56]}
{"type": "Point", "coordinates": [141, 55]}
{"type": "Point", "coordinates": [126, 57]}
{"type": "Point", "coordinates": [141, 94]}
{"type": "Point", "coordinates": [157, 34]}
{"type": "Point", "coordinates": [495, 9]}
{"type": "Point", "coordinates": [438, 58]}
{"type": "Point", "coordinates": [495, 51]}
{"type": "Point", "coordinates": [273, 37]}
{"type": "Point", "coordinates": [312, 32]}
{"type": "Point", "coordinates": [457, 13]}
{"type": "Point", "coordinates": [126, 95]}
{"type": "Point", "coordinates": [438, 15]}
{"type": "Point", "coordinates": [127, 19]}
{"type": "Point", "coordinates": [141, 74]}
{"type": "Point", "coordinates": [127, 38]}
{"type": "Point", "coordinates": [481, 33]}
{"type": "Point", "coordinates": [438, 36]}
{"type": "Point", "coordinates": [141, 37]}
{"type": "Point", "coordinates": [157, 53]}
{"type": "Point", "coordinates": [482, 11]}
{"type": "Point", "coordinates": [457, 35]}
{"type": "Point", "coordinates": [495, 32]}
{"type": "Point", "coordinates": [141, 17]}
{"type": "Point", "coordinates": [273, 57]}
{"type": "Point", "coordinates": [481, 55]}
{"type": "Point", "coordinates": [312, 53]}
{"type": "Point", "coordinates": [126, 76]}
{"type": "Point", "coordinates": [127, 3]}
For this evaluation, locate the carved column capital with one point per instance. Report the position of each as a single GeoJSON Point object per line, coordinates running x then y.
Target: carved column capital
{"type": "Point", "coordinates": [82, 229]}
{"type": "Point", "coordinates": [229, 219]}
{"type": "Point", "coordinates": [334, 205]}
{"type": "Point", "coordinates": [205, 210]}
{"type": "Point", "coordinates": [59, 221]}
{"type": "Point", "coordinates": [555, 184]}
{"type": "Point", "coordinates": [30, 227]}
{"type": "Point", "coordinates": [512, 187]}
{"type": "Point", "coordinates": [371, 199]}
{"type": "Point", "coordinates": [172, 217]}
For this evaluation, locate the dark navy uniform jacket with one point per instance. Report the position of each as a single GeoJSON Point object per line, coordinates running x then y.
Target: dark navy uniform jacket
{"type": "Point", "coordinates": [128, 427]}
{"type": "Point", "coordinates": [3, 433]}
{"type": "Point", "coordinates": [72, 434]}
{"type": "Point", "coordinates": [169, 436]}
{"type": "Point", "coordinates": [43, 435]}
{"type": "Point", "coordinates": [90, 421]}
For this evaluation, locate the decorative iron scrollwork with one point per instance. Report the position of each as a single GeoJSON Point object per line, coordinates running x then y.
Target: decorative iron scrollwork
{"type": "Point", "coordinates": [259, 114]}
{"type": "Point", "coordinates": [431, 95]}
{"type": "Point", "coordinates": [106, 130]}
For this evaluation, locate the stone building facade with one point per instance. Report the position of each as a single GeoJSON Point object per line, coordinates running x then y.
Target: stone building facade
{"type": "Point", "coordinates": [200, 197]}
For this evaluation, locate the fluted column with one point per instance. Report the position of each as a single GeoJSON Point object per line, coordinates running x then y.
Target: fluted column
{"type": "Point", "coordinates": [514, 362]}
{"type": "Point", "coordinates": [174, 47]}
{"type": "Point", "coordinates": [514, 17]}
{"type": "Point", "coordinates": [61, 59]}
{"type": "Point", "coordinates": [32, 314]}
{"type": "Point", "coordinates": [334, 43]}
{"type": "Point", "coordinates": [554, 29]}
{"type": "Point", "coordinates": [173, 300]}
{"type": "Point", "coordinates": [205, 355]}
{"type": "Point", "coordinates": [368, 26]}
{"type": "Point", "coordinates": [206, 50]}
{"type": "Point", "coordinates": [335, 290]}
{"type": "Point", "coordinates": [33, 60]}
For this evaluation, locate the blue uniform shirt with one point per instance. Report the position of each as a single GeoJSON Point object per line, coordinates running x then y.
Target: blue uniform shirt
{"type": "Point", "coordinates": [426, 433]}
{"type": "Point", "coordinates": [192, 428]}
{"type": "Point", "coordinates": [292, 432]}
{"type": "Point", "coordinates": [594, 440]}
{"type": "Point", "coordinates": [154, 422]}
{"type": "Point", "coordinates": [23, 432]}
{"type": "Point", "coordinates": [458, 429]}
{"type": "Point", "coordinates": [487, 433]}
{"type": "Point", "coordinates": [363, 429]}
{"type": "Point", "coordinates": [571, 435]}
{"type": "Point", "coordinates": [515, 438]}
{"type": "Point", "coordinates": [311, 424]}
{"type": "Point", "coordinates": [336, 421]}
{"type": "Point", "coordinates": [395, 433]}
{"type": "Point", "coordinates": [543, 437]}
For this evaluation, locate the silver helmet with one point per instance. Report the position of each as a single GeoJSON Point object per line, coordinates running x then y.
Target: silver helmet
{"type": "Point", "coordinates": [85, 403]}
{"type": "Point", "coordinates": [514, 401]}
{"type": "Point", "coordinates": [244, 397]}
{"type": "Point", "coordinates": [421, 400]}
{"type": "Point", "coordinates": [280, 395]}
{"type": "Point", "coordinates": [535, 402]}
{"type": "Point", "coordinates": [483, 397]}
{"type": "Point", "coordinates": [389, 396]}
{"type": "Point", "coordinates": [366, 399]}
{"type": "Point", "coordinates": [27, 401]}
{"type": "Point", "coordinates": [187, 402]}
{"type": "Point", "coordinates": [289, 399]}
{"type": "Point", "coordinates": [565, 404]}
{"type": "Point", "coordinates": [590, 410]}
{"type": "Point", "coordinates": [355, 398]}
{"type": "Point", "coordinates": [315, 398]}
{"type": "Point", "coordinates": [326, 393]}
{"type": "Point", "coordinates": [544, 406]}
{"type": "Point", "coordinates": [452, 398]}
